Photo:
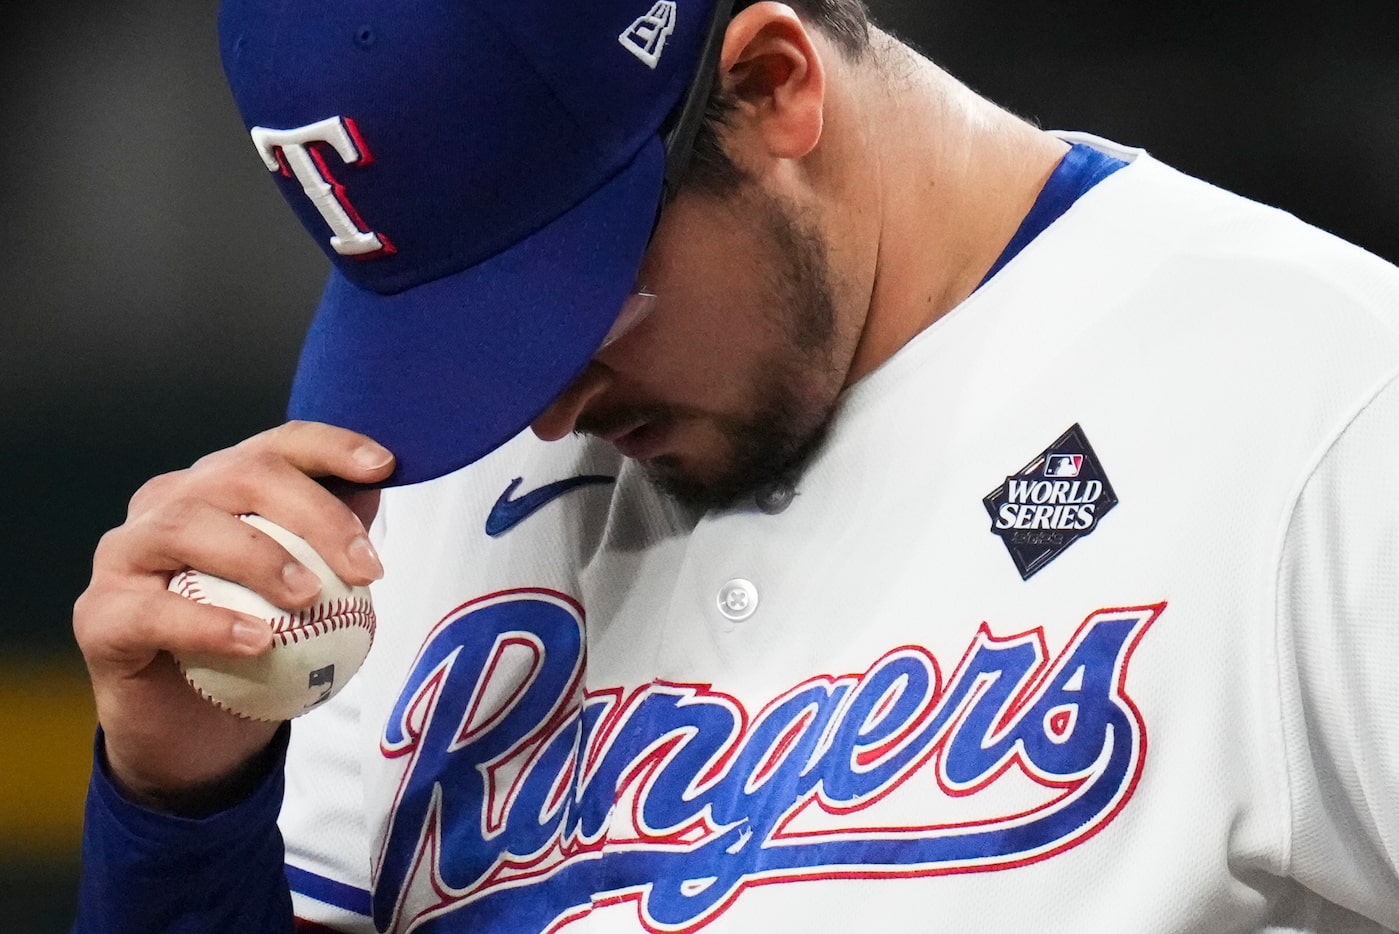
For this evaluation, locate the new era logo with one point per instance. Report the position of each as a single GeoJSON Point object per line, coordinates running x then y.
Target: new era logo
{"type": "Point", "coordinates": [645, 38]}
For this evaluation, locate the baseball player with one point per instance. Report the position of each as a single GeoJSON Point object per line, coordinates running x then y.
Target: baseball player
{"type": "Point", "coordinates": [928, 523]}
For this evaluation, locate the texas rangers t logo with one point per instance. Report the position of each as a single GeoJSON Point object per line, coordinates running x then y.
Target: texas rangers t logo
{"type": "Point", "coordinates": [291, 152]}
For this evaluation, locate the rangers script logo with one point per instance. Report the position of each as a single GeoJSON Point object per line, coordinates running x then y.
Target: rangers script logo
{"type": "Point", "coordinates": [525, 801]}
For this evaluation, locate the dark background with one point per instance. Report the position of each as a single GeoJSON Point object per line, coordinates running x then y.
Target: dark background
{"type": "Point", "coordinates": [154, 287]}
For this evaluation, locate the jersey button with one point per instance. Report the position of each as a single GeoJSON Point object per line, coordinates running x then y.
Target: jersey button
{"type": "Point", "coordinates": [774, 498]}
{"type": "Point", "coordinates": [738, 599]}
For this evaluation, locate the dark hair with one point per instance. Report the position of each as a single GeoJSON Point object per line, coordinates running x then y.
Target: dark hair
{"type": "Point", "coordinates": [845, 22]}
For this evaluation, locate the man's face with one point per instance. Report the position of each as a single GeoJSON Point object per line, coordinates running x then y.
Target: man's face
{"type": "Point", "coordinates": [730, 382]}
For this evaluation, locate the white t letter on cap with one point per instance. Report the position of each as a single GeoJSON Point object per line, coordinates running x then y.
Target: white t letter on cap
{"type": "Point", "coordinates": [325, 194]}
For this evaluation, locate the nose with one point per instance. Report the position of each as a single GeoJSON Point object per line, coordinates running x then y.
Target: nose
{"type": "Point", "coordinates": [562, 414]}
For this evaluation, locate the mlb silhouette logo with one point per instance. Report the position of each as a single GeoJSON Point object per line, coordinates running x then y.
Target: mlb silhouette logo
{"type": "Point", "coordinates": [322, 677]}
{"type": "Point", "coordinates": [1063, 465]}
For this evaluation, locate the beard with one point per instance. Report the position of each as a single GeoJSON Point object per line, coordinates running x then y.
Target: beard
{"type": "Point", "coordinates": [770, 448]}
{"type": "Point", "coordinates": [794, 391]}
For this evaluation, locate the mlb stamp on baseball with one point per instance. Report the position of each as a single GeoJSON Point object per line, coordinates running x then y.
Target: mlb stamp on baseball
{"type": "Point", "coordinates": [314, 651]}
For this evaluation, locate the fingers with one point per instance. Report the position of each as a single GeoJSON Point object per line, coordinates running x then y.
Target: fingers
{"type": "Point", "coordinates": [276, 490]}
{"type": "Point", "coordinates": [189, 519]}
{"type": "Point", "coordinates": [195, 533]}
{"type": "Point", "coordinates": [294, 501]}
{"type": "Point", "coordinates": [320, 450]}
{"type": "Point", "coordinates": [276, 467]}
{"type": "Point", "coordinates": [124, 629]}
{"type": "Point", "coordinates": [269, 474]}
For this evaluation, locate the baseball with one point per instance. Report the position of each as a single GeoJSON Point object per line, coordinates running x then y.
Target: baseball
{"type": "Point", "coordinates": [314, 651]}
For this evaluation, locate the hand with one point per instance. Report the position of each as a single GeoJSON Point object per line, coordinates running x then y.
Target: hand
{"type": "Point", "coordinates": [166, 747]}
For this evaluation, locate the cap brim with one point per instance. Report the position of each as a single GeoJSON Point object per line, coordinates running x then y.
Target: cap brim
{"type": "Point", "coordinates": [445, 372]}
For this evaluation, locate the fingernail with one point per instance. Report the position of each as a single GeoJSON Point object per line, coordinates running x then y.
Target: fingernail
{"type": "Point", "coordinates": [365, 558]}
{"type": "Point", "coordinates": [371, 456]}
{"type": "Point", "coordinates": [300, 580]}
{"type": "Point", "coordinates": [249, 634]}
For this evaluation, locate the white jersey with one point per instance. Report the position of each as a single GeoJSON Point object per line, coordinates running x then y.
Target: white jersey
{"type": "Point", "coordinates": [1083, 619]}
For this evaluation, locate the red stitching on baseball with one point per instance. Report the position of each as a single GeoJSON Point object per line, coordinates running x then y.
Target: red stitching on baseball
{"type": "Point", "coordinates": [188, 585]}
{"type": "Point", "coordinates": [213, 700]}
{"type": "Point", "coordinates": [332, 615]}
{"type": "Point", "coordinates": [354, 612]}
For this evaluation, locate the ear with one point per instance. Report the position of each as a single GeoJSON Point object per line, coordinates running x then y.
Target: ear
{"type": "Point", "coordinates": [773, 70]}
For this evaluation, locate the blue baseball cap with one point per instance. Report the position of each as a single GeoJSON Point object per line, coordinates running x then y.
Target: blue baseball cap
{"type": "Point", "coordinates": [484, 177]}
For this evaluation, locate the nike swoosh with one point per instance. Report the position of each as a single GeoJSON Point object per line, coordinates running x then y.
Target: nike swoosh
{"type": "Point", "coordinates": [508, 513]}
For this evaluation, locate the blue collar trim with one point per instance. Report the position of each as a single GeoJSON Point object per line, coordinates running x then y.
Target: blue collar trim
{"type": "Point", "coordinates": [1081, 168]}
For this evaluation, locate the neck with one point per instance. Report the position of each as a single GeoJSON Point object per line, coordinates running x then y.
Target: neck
{"type": "Point", "coordinates": [950, 176]}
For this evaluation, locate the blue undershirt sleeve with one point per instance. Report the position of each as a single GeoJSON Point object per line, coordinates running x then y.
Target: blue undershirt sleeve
{"type": "Point", "coordinates": [154, 873]}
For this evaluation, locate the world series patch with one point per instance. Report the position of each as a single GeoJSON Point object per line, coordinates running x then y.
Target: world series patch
{"type": "Point", "coordinates": [1056, 499]}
